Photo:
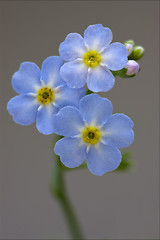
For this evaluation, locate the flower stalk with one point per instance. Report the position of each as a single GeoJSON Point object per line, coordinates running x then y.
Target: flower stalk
{"type": "Point", "coordinates": [58, 190]}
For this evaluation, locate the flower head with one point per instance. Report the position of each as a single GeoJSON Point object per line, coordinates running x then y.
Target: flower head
{"type": "Point", "coordinates": [93, 134]}
{"type": "Point", "coordinates": [91, 58]}
{"type": "Point", "coordinates": [41, 94]}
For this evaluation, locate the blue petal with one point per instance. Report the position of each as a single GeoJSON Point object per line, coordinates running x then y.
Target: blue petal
{"type": "Point", "coordinates": [118, 131]}
{"type": "Point", "coordinates": [23, 109]}
{"type": "Point", "coordinates": [73, 47]}
{"type": "Point", "coordinates": [74, 73]}
{"type": "Point", "coordinates": [100, 79]}
{"type": "Point", "coordinates": [115, 56]}
{"type": "Point", "coordinates": [95, 109]}
{"type": "Point", "coordinates": [103, 158]}
{"type": "Point", "coordinates": [68, 122]}
{"type": "Point", "coordinates": [65, 96]}
{"type": "Point", "coordinates": [44, 120]}
{"type": "Point", "coordinates": [97, 37]}
{"type": "Point", "coordinates": [51, 71]}
{"type": "Point", "coordinates": [27, 78]}
{"type": "Point", "coordinates": [71, 151]}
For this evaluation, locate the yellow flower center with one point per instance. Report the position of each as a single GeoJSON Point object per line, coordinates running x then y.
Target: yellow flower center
{"type": "Point", "coordinates": [91, 135]}
{"type": "Point", "coordinates": [92, 58]}
{"type": "Point", "coordinates": [45, 95]}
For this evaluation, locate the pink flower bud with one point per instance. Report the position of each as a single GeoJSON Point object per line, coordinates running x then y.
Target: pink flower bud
{"type": "Point", "coordinates": [129, 47]}
{"type": "Point", "coordinates": [132, 67]}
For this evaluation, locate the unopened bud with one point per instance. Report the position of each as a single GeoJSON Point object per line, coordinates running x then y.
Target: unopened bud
{"type": "Point", "coordinates": [137, 53]}
{"type": "Point", "coordinates": [129, 42]}
{"type": "Point", "coordinates": [132, 67]}
{"type": "Point", "coordinates": [129, 47]}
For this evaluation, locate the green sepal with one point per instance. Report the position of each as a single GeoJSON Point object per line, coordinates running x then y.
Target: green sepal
{"type": "Point", "coordinates": [122, 73]}
{"type": "Point", "coordinates": [115, 73]}
{"type": "Point", "coordinates": [88, 92]}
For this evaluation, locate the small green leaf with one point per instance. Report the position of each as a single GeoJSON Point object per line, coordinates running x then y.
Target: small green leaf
{"type": "Point", "coordinates": [126, 163]}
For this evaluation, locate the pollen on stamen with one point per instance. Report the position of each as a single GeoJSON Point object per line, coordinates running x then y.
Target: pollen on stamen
{"type": "Point", "coordinates": [92, 58]}
{"type": "Point", "coordinates": [91, 135]}
{"type": "Point", "coordinates": [45, 95]}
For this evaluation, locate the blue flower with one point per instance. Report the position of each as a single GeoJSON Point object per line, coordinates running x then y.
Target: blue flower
{"type": "Point", "coordinates": [42, 94]}
{"type": "Point", "coordinates": [90, 58]}
{"type": "Point", "coordinates": [93, 134]}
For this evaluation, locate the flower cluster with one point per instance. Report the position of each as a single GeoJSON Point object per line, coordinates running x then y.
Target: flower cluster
{"type": "Point", "coordinates": [55, 98]}
{"type": "Point", "coordinates": [135, 54]}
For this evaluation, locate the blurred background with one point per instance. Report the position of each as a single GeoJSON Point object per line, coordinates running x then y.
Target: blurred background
{"type": "Point", "coordinates": [117, 205]}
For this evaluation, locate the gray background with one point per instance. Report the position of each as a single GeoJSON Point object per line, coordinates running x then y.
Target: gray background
{"type": "Point", "coordinates": [117, 205]}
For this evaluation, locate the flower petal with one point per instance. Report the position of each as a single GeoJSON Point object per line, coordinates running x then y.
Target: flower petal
{"type": "Point", "coordinates": [27, 78]}
{"type": "Point", "coordinates": [23, 109]}
{"type": "Point", "coordinates": [97, 37]}
{"type": "Point", "coordinates": [65, 96]}
{"type": "Point", "coordinates": [103, 158]}
{"type": "Point", "coordinates": [73, 47]}
{"type": "Point", "coordinates": [95, 109]}
{"type": "Point", "coordinates": [100, 79]}
{"type": "Point", "coordinates": [68, 122]}
{"type": "Point", "coordinates": [44, 121]}
{"type": "Point", "coordinates": [74, 73]}
{"type": "Point", "coordinates": [71, 151]}
{"type": "Point", "coordinates": [118, 131]}
{"type": "Point", "coordinates": [115, 56]}
{"type": "Point", "coordinates": [51, 71]}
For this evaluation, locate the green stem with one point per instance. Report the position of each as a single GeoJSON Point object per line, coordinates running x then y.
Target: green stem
{"type": "Point", "coordinates": [58, 190]}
